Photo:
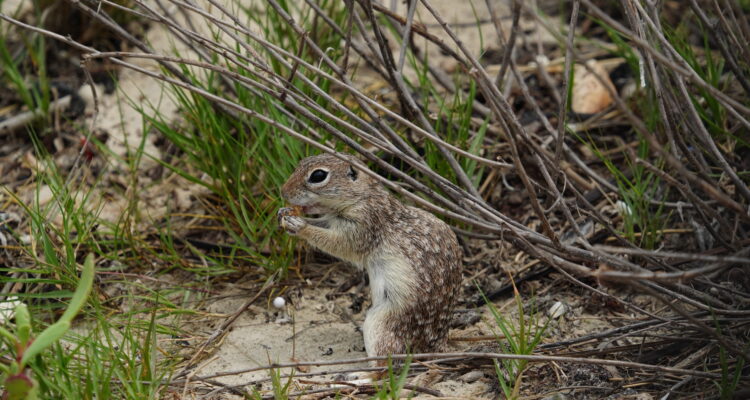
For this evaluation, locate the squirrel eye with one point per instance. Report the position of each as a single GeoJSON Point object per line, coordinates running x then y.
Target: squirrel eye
{"type": "Point", "coordinates": [318, 176]}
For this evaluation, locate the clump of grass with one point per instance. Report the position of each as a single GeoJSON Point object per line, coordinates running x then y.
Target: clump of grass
{"type": "Point", "coordinates": [279, 387]}
{"type": "Point", "coordinates": [24, 68]}
{"type": "Point", "coordinates": [394, 383]}
{"type": "Point", "coordinates": [108, 361]}
{"type": "Point", "coordinates": [711, 67]}
{"type": "Point", "coordinates": [640, 194]}
{"type": "Point", "coordinates": [454, 120]}
{"type": "Point", "coordinates": [520, 337]}
{"type": "Point", "coordinates": [110, 353]}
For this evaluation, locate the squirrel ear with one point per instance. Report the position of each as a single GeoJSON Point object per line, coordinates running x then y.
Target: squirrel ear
{"type": "Point", "coordinates": [352, 173]}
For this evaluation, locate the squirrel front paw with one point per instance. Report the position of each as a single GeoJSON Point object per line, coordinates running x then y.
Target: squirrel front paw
{"type": "Point", "coordinates": [290, 222]}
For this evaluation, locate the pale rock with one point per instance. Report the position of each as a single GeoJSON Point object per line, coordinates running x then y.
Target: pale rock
{"type": "Point", "coordinates": [182, 199]}
{"type": "Point", "coordinates": [471, 376]}
{"type": "Point", "coordinates": [279, 302]}
{"type": "Point", "coordinates": [590, 96]}
{"type": "Point", "coordinates": [557, 310]}
{"type": "Point", "coordinates": [8, 308]}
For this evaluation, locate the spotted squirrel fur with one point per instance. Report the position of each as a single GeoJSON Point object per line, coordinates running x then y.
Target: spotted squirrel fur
{"type": "Point", "coordinates": [412, 258]}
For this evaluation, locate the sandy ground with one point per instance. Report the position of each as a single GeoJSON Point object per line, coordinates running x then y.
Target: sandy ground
{"type": "Point", "coordinates": [317, 327]}
{"type": "Point", "coordinates": [312, 329]}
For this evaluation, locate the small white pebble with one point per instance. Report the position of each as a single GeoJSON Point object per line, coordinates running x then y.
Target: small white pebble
{"type": "Point", "coordinates": [472, 376]}
{"type": "Point", "coordinates": [8, 309]}
{"type": "Point", "coordinates": [557, 310]}
{"type": "Point", "coordinates": [279, 302]}
{"type": "Point", "coordinates": [542, 60]}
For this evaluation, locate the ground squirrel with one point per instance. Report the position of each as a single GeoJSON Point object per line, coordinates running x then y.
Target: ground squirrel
{"type": "Point", "coordinates": [412, 258]}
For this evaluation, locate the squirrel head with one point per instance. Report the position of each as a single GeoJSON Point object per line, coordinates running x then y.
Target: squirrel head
{"type": "Point", "coordinates": [325, 184]}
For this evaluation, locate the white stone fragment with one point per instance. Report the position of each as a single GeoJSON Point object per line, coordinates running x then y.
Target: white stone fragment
{"type": "Point", "coordinates": [557, 310]}
{"type": "Point", "coordinates": [8, 308]}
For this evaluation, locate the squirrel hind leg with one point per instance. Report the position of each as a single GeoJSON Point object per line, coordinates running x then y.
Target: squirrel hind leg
{"type": "Point", "coordinates": [382, 336]}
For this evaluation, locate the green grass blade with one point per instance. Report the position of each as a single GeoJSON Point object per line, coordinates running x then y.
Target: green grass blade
{"type": "Point", "coordinates": [45, 339]}
{"type": "Point", "coordinates": [82, 291]}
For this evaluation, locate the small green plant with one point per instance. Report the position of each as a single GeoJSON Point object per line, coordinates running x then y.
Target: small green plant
{"type": "Point", "coordinates": [710, 67]}
{"type": "Point", "coordinates": [730, 379]}
{"type": "Point", "coordinates": [19, 383]}
{"type": "Point", "coordinates": [520, 337]}
{"type": "Point", "coordinates": [643, 222]}
{"type": "Point", "coordinates": [391, 388]}
{"type": "Point", "coordinates": [280, 388]}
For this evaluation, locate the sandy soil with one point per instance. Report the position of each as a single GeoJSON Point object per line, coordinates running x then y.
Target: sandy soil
{"type": "Point", "coordinates": [319, 326]}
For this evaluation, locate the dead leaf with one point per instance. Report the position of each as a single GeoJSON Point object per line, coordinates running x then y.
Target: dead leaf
{"type": "Point", "coordinates": [590, 96]}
